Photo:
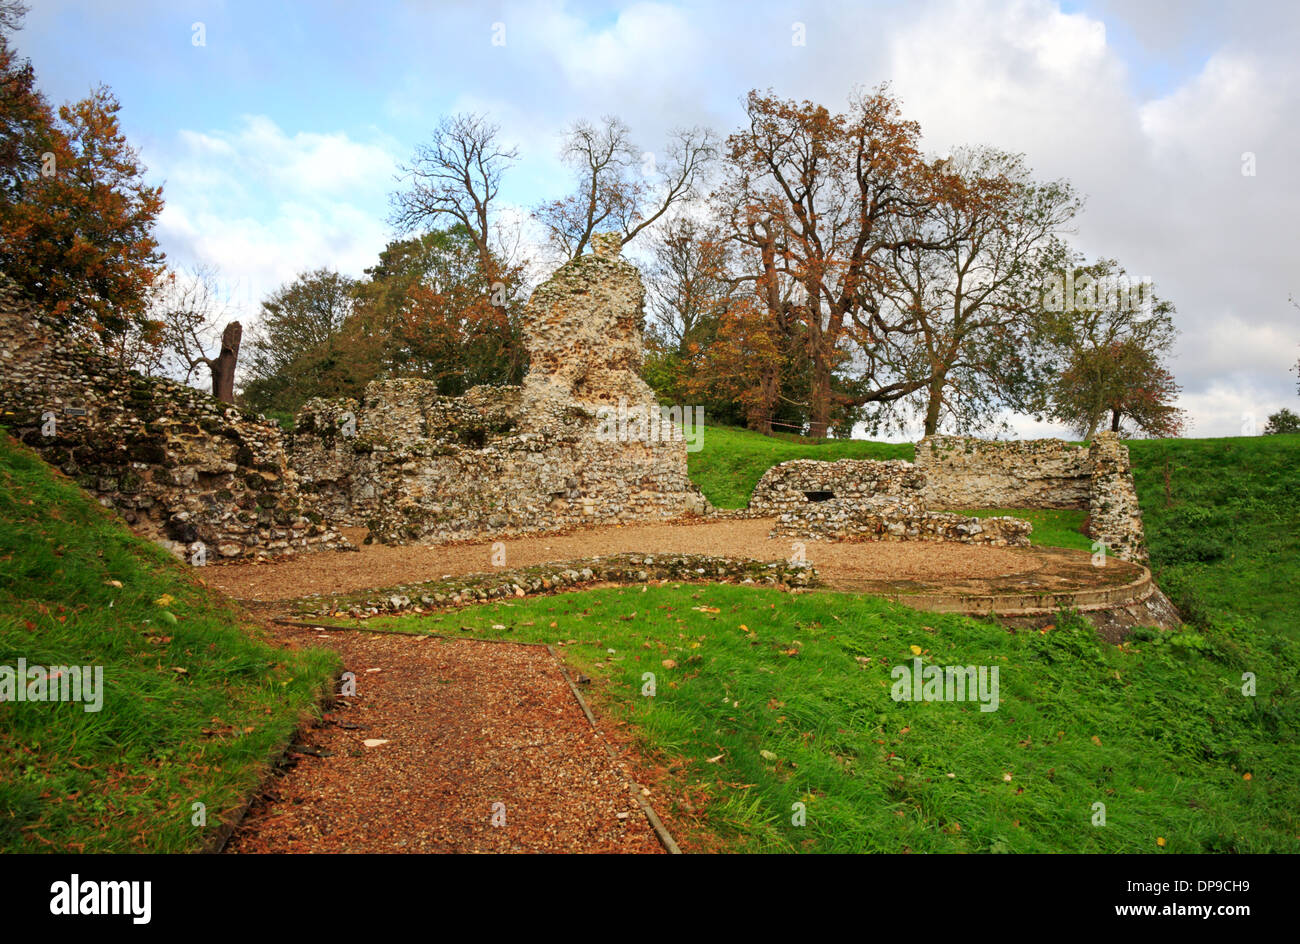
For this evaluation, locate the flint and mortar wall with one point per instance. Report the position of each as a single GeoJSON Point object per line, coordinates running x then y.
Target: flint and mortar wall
{"type": "Point", "coordinates": [785, 487]}
{"type": "Point", "coordinates": [979, 473]}
{"type": "Point", "coordinates": [417, 466]}
{"type": "Point", "coordinates": [472, 473]}
{"type": "Point", "coordinates": [867, 498]}
{"type": "Point", "coordinates": [179, 465]}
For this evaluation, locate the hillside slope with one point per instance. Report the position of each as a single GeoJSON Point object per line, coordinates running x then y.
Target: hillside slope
{"type": "Point", "coordinates": [191, 701]}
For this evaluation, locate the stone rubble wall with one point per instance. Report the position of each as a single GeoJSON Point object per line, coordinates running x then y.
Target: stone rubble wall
{"type": "Point", "coordinates": [961, 472]}
{"type": "Point", "coordinates": [583, 329]}
{"type": "Point", "coordinates": [897, 500]}
{"type": "Point", "coordinates": [785, 487]}
{"type": "Point", "coordinates": [550, 578]}
{"type": "Point", "coordinates": [441, 488]}
{"type": "Point", "coordinates": [894, 522]}
{"type": "Point", "coordinates": [179, 465]}
{"type": "Point", "coordinates": [1116, 519]}
{"type": "Point", "coordinates": [418, 466]}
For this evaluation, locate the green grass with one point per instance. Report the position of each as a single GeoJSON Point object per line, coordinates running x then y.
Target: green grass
{"type": "Point", "coordinates": [192, 709]}
{"type": "Point", "coordinates": [283, 417]}
{"type": "Point", "coordinates": [732, 460]}
{"type": "Point", "coordinates": [1053, 527]}
{"type": "Point", "coordinates": [770, 699]}
{"type": "Point", "coordinates": [1157, 730]}
{"type": "Point", "coordinates": [1225, 535]}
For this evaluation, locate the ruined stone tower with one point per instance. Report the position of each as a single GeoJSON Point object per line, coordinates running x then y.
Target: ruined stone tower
{"type": "Point", "coordinates": [424, 467]}
{"type": "Point", "coordinates": [583, 332]}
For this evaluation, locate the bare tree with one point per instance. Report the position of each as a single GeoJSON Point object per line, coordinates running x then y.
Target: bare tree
{"type": "Point", "coordinates": [186, 310]}
{"type": "Point", "coordinates": [456, 175]}
{"type": "Point", "coordinates": [688, 279]}
{"type": "Point", "coordinates": [619, 187]}
{"type": "Point", "coordinates": [12, 13]}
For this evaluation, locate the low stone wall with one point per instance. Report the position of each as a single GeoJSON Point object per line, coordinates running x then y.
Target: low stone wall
{"type": "Point", "coordinates": [885, 521]}
{"type": "Point", "coordinates": [977, 473]}
{"type": "Point", "coordinates": [550, 578]}
{"type": "Point", "coordinates": [895, 500]}
{"type": "Point", "coordinates": [790, 485]}
{"type": "Point", "coordinates": [179, 465]}
{"type": "Point", "coordinates": [472, 473]}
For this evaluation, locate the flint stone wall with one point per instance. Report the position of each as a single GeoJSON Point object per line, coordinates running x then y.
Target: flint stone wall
{"type": "Point", "coordinates": [786, 487]}
{"type": "Point", "coordinates": [876, 521]}
{"type": "Point", "coordinates": [179, 465]}
{"type": "Point", "coordinates": [978, 473]}
{"type": "Point", "coordinates": [417, 466]}
{"type": "Point", "coordinates": [1116, 519]}
{"type": "Point", "coordinates": [868, 499]}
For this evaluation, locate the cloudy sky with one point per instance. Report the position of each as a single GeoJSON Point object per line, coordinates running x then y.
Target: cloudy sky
{"type": "Point", "coordinates": [278, 137]}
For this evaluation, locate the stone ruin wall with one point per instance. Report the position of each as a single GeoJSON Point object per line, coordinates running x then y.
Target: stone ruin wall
{"type": "Point", "coordinates": [412, 465]}
{"type": "Point", "coordinates": [179, 465]}
{"type": "Point", "coordinates": [508, 460]}
{"type": "Point", "coordinates": [981, 473]}
{"type": "Point", "coordinates": [785, 487]}
{"type": "Point", "coordinates": [1113, 513]}
{"type": "Point", "coordinates": [864, 499]}
{"type": "Point", "coordinates": [868, 500]}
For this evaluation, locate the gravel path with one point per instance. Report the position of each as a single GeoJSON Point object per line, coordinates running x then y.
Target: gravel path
{"type": "Point", "coordinates": [846, 564]}
{"type": "Point", "coordinates": [467, 725]}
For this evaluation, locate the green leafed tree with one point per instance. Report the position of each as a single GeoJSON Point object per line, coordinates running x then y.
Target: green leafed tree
{"type": "Point", "coordinates": [440, 317]}
{"type": "Point", "coordinates": [1113, 334]}
{"type": "Point", "coordinates": [301, 348]}
{"type": "Point", "coordinates": [962, 304]}
{"type": "Point", "coordinates": [1283, 421]}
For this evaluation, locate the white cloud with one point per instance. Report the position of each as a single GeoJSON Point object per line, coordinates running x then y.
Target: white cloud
{"type": "Point", "coordinates": [261, 205]}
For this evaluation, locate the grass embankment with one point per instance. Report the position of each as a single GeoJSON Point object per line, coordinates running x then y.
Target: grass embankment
{"type": "Point", "coordinates": [1224, 532]}
{"type": "Point", "coordinates": [194, 701]}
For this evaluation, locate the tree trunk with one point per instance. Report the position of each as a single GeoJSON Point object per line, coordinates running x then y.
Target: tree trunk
{"type": "Point", "coordinates": [223, 367]}
{"type": "Point", "coordinates": [819, 406]}
{"type": "Point", "coordinates": [934, 404]}
{"type": "Point", "coordinates": [1114, 421]}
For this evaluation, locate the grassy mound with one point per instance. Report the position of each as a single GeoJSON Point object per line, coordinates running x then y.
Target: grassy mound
{"type": "Point", "coordinates": [193, 700]}
{"type": "Point", "coordinates": [1222, 519]}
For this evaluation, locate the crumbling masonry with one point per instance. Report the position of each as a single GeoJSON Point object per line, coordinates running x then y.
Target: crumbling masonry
{"type": "Point", "coordinates": [411, 465]}
{"type": "Point", "coordinates": [864, 499]}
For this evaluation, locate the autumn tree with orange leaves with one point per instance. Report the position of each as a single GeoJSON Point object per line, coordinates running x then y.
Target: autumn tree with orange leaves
{"type": "Point", "coordinates": [814, 193]}
{"type": "Point", "coordinates": [76, 217]}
